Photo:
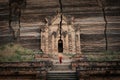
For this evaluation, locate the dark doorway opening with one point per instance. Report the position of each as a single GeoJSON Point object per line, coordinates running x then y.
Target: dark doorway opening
{"type": "Point", "coordinates": [60, 45]}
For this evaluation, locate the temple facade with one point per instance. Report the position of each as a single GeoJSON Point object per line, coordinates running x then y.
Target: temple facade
{"type": "Point", "coordinates": [70, 36]}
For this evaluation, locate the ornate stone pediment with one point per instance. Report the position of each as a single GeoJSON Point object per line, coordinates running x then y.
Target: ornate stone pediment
{"type": "Point", "coordinates": [56, 19]}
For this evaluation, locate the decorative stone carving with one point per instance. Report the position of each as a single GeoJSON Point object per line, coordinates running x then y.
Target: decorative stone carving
{"type": "Point", "coordinates": [51, 33]}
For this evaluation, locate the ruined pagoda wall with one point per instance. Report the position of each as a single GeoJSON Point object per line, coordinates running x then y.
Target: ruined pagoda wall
{"type": "Point", "coordinates": [30, 27]}
{"type": "Point", "coordinates": [89, 17]}
{"type": "Point", "coordinates": [113, 30]}
{"type": "Point", "coordinates": [87, 14]}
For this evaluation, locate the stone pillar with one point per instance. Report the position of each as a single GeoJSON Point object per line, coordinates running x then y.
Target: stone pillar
{"type": "Point", "coordinates": [43, 43]}
{"type": "Point", "coordinates": [49, 33]}
{"type": "Point", "coordinates": [47, 41]}
{"type": "Point", "coordinates": [73, 42]}
{"type": "Point", "coordinates": [64, 44]}
{"type": "Point", "coordinates": [70, 43]}
{"type": "Point", "coordinates": [78, 47]}
{"type": "Point", "coordinates": [53, 43]}
{"type": "Point", "coordinates": [67, 46]}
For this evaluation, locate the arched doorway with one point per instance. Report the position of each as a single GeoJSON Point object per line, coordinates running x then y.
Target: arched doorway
{"type": "Point", "coordinates": [60, 46]}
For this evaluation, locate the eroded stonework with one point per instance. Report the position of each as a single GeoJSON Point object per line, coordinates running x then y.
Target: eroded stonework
{"type": "Point", "coordinates": [70, 36]}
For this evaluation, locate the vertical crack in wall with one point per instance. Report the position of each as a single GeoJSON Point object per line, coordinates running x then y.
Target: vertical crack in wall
{"type": "Point", "coordinates": [14, 18]}
{"type": "Point", "coordinates": [15, 7]}
{"type": "Point", "coordinates": [101, 4]}
{"type": "Point", "coordinates": [10, 17]}
{"type": "Point", "coordinates": [60, 42]}
{"type": "Point", "coordinates": [61, 13]}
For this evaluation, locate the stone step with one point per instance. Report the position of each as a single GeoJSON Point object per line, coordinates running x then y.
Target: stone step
{"type": "Point", "coordinates": [61, 67]}
{"type": "Point", "coordinates": [61, 75]}
{"type": "Point", "coordinates": [65, 65]}
{"type": "Point", "coordinates": [64, 61]}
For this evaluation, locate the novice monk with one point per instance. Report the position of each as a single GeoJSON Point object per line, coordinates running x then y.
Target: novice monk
{"type": "Point", "coordinates": [60, 58]}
